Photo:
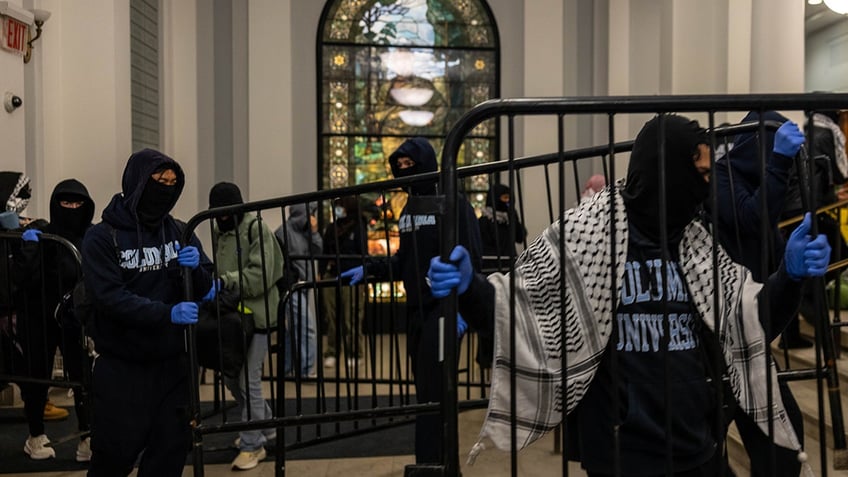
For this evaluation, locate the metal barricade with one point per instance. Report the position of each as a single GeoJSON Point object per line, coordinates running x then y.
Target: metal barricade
{"type": "Point", "coordinates": [610, 108]}
{"type": "Point", "coordinates": [37, 319]}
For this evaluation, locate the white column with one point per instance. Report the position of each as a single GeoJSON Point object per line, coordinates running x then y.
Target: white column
{"type": "Point", "coordinates": [271, 114]}
{"type": "Point", "coordinates": [545, 26]}
{"type": "Point", "coordinates": [777, 46]}
{"type": "Point", "coordinates": [86, 96]}
{"type": "Point", "coordinates": [179, 79]}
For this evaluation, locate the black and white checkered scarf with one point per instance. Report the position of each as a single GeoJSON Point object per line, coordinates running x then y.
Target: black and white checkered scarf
{"type": "Point", "coordinates": [588, 315]}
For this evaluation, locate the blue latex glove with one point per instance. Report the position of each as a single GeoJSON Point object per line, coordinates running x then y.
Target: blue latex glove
{"type": "Point", "coordinates": [444, 277]}
{"type": "Point", "coordinates": [31, 235]}
{"type": "Point", "coordinates": [188, 256]}
{"type": "Point", "coordinates": [356, 274]}
{"type": "Point", "coordinates": [184, 313]}
{"type": "Point", "coordinates": [805, 256]}
{"type": "Point", "coordinates": [213, 290]}
{"type": "Point", "coordinates": [788, 139]}
{"type": "Point", "coordinates": [461, 326]}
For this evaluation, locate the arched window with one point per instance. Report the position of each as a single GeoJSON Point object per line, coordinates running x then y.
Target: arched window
{"type": "Point", "coordinates": [394, 69]}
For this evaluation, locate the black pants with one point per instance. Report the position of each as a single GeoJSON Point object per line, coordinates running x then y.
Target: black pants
{"type": "Point", "coordinates": [140, 407]}
{"type": "Point", "coordinates": [38, 337]}
{"type": "Point", "coordinates": [423, 348]}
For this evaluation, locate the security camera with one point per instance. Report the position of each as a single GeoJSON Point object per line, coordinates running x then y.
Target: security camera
{"type": "Point", "coordinates": [12, 102]}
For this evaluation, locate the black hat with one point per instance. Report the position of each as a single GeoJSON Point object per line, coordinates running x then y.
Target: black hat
{"type": "Point", "coordinates": [223, 194]}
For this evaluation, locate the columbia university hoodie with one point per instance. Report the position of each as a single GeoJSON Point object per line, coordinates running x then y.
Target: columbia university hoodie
{"type": "Point", "coordinates": [420, 234]}
{"type": "Point", "coordinates": [132, 273]}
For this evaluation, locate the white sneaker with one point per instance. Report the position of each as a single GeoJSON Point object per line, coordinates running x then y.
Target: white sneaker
{"type": "Point", "coordinates": [35, 447]}
{"type": "Point", "coordinates": [330, 362]}
{"type": "Point", "coordinates": [84, 450]}
{"type": "Point", "coordinates": [353, 362]}
{"type": "Point", "coordinates": [247, 460]}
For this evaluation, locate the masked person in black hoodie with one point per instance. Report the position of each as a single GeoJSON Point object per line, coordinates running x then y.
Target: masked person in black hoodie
{"type": "Point", "coordinates": [494, 229]}
{"type": "Point", "coordinates": [133, 262]}
{"type": "Point", "coordinates": [45, 272]}
{"type": "Point", "coordinates": [419, 240]}
{"type": "Point", "coordinates": [629, 381]}
{"type": "Point", "coordinates": [740, 187]}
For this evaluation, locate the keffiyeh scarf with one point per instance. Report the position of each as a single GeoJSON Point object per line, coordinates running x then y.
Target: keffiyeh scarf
{"type": "Point", "coordinates": [822, 121]}
{"type": "Point", "coordinates": [583, 324]}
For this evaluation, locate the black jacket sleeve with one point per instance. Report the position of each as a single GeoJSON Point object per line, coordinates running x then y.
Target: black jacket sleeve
{"type": "Point", "coordinates": [477, 304]}
{"type": "Point", "coordinates": [779, 301]}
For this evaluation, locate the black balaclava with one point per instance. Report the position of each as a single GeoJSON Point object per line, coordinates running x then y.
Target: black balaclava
{"type": "Point", "coordinates": [494, 197]}
{"type": "Point", "coordinates": [222, 195]}
{"type": "Point", "coordinates": [156, 201]}
{"type": "Point", "coordinates": [148, 201]}
{"type": "Point", "coordinates": [70, 223]}
{"type": "Point", "coordinates": [685, 188]}
{"type": "Point", "coordinates": [421, 152]}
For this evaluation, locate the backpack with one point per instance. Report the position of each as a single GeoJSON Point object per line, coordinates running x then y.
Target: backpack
{"type": "Point", "coordinates": [232, 343]}
{"type": "Point", "coordinates": [291, 275]}
{"type": "Point", "coordinates": [80, 307]}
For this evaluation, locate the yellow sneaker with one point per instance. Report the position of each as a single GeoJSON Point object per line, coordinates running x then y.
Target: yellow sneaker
{"type": "Point", "coordinates": [53, 413]}
{"type": "Point", "coordinates": [247, 460]}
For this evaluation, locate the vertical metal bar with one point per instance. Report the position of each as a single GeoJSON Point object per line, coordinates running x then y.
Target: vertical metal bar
{"type": "Point", "coordinates": [562, 290]}
{"type": "Point", "coordinates": [513, 405]}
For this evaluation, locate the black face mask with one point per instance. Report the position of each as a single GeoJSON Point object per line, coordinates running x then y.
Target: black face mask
{"type": "Point", "coordinates": [70, 223]}
{"type": "Point", "coordinates": [685, 187]}
{"type": "Point", "coordinates": [225, 224]}
{"type": "Point", "coordinates": [155, 203]}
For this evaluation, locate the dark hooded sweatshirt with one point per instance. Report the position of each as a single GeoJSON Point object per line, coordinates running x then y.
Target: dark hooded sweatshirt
{"type": "Point", "coordinates": [494, 229]}
{"type": "Point", "coordinates": [61, 270]}
{"type": "Point", "coordinates": [131, 270]}
{"type": "Point", "coordinates": [740, 187]}
{"type": "Point", "coordinates": [420, 234]}
{"type": "Point", "coordinates": [641, 373]}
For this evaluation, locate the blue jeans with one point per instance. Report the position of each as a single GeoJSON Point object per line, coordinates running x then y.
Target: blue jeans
{"type": "Point", "coordinates": [259, 408]}
{"type": "Point", "coordinates": [300, 322]}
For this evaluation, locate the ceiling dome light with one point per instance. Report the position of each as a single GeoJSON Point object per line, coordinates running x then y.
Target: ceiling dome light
{"type": "Point", "coordinates": [416, 117]}
{"type": "Point", "coordinates": [838, 6]}
{"type": "Point", "coordinates": [411, 96]}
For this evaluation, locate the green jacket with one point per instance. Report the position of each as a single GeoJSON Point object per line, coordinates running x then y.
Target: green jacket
{"type": "Point", "coordinates": [227, 262]}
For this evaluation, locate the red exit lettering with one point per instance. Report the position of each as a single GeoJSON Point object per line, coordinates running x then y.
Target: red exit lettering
{"type": "Point", "coordinates": [15, 34]}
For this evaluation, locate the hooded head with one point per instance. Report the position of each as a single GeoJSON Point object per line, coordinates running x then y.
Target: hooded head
{"type": "Point", "coordinates": [744, 157]}
{"type": "Point", "coordinates": [685, 186]}
{"type": "Point", "coordinates": [15, 191]}
{"type": "Point", "coordinates": [423, 156]}
{"type": "Point", "coordinates": [223, 194]}
{"type": "Point", "coordinates": [150, 199]}
{"type": "Point", "coordinates": [71, 209]}
{"type": "Point", "coordinates": [495, 196]}
{"type": "Point", "coordinates": [298, 217]}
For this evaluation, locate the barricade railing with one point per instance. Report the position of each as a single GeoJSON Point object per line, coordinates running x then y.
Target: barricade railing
{"type": "Point", "coordinates": [37, 320]}
{"type": "Point", "coordinates": [378, 390]}
{"type": "Point", "coordinates": [603, 157]}
{"type": "Point", "coordinates": [558, 109]}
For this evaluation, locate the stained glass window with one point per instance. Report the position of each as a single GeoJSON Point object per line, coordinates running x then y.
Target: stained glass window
{"type": "Point", "coordinates": [394, 69]}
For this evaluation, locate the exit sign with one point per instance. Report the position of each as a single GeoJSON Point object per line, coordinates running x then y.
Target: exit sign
{"type": "Point", "coordinates": [14, 35]}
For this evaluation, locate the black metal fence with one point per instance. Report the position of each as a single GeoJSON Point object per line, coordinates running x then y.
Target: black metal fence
{"type": "Point", "coordinates": [38, 327]}
{"type": "Point", "coordinates": [377, 393]}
